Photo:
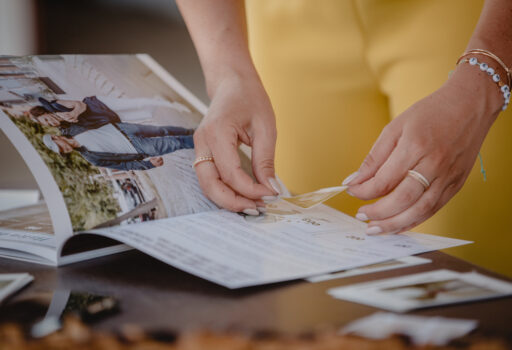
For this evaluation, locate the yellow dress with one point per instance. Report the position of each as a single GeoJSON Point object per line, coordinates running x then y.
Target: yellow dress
{"type": "Point", "coordinates": [337, 71]}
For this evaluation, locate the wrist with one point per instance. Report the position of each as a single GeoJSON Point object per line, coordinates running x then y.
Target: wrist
{"type": "Point", "coordinates": [226, 72]}
{"type": "Point", "coordinates": [476, 88]}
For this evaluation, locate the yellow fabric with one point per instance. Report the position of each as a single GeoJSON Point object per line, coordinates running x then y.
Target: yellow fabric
{"type": "Point", "coordinates": [337, 71]}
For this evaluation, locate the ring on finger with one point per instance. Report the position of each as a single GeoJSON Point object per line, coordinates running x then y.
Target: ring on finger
{"type": "Point", "coordinates": [200, 160]}
{"type": "Point", "coordinates": [420, 178]}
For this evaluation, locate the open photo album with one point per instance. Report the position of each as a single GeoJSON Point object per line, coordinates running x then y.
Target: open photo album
{"type": "Point", "coordinates": [109, 141]}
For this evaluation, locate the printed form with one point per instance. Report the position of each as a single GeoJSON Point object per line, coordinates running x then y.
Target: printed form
{"type": "Point", "coordinates": [237, 251]}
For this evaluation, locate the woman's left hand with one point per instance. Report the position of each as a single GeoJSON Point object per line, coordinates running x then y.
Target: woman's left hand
{"type": "Point", "coordinates": [439, 137]}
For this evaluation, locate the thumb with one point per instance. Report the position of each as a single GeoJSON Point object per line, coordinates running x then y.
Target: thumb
{"type": "Point", "coordinates": [263, 150]}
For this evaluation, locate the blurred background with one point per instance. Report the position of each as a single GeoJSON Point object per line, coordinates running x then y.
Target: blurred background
{"type": "Point", "coordinates": [94, 27]}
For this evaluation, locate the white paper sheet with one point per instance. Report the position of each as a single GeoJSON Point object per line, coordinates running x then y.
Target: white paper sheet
{"type": "Point", "coordinates": [227, 249]}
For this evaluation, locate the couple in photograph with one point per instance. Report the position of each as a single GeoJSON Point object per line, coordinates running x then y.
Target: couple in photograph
{"type": "Point", "coordinates": [97, 132]}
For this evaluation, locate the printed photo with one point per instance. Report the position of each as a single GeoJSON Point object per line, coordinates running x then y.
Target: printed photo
{"type": "Point", "coordinates": [117, 139]}
{"type": "Point", "coordinates": [308, 200]}
{"type": "Point", "coordinates": [426, 289]}
{"type": "Point", "coordinates": [450, 290]}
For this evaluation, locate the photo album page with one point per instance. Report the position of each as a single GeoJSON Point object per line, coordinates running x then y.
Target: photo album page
{"type": "Point", "coordinates": [108, 141]}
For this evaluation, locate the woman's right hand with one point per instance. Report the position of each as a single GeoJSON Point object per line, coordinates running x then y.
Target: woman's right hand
{"type": "Point", "coordinates": [240, 112]}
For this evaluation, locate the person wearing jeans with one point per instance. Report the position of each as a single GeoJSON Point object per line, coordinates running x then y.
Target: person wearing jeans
{"type": "Point", "coordinates": [73, 117]}
{"type": "Point", "coordinates": [124, 146]}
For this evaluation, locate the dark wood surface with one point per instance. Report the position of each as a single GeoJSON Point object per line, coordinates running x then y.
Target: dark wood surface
{"type": "Point", "coordinates": [156, 296]}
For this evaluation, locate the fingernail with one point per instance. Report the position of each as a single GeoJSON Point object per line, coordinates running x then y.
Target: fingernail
{"type": "Point", "coordinates": [350, 178]}
{"type": "Point", "coordinates": [362, 217]}
{"type": "Point", "coordinates": [349, 193]}
{"type": "Point", "coordinates": [374, 230]}
{"type": "Point", "coordinates": [252, 212]}
{"type": "Point", "coordinates": [269, 199]}
{"type": "Point", "coordinates": [262, 210]}
{"type": "Point", "coordinates": [275, 185]}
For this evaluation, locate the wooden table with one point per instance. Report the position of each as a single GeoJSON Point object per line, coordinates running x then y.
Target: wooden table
{"type": "Point", "coordinates": [157, 296]}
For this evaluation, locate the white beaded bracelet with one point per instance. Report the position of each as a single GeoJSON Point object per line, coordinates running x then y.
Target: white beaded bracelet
{"type": "Point", "coordinates": [504, 88]}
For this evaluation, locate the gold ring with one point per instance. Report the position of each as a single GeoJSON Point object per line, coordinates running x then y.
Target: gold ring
{"type": "Point", "coordinates": [201, 160]}
{"type": "Point", "coordinates": [420, 178]}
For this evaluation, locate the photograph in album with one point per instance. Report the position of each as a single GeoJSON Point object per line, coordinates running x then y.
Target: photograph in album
{"type": "Point", "coordinates": [117, 145]}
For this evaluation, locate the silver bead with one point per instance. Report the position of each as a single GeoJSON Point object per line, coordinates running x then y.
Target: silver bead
{"type": "Point", "coordinates": [473, 61]}
{"type": "Point", "coordinates": [505, 88]}
{"type": "Point", "coordinates": [490, 71]}
{"type": "Point", "coordinates": [506, 95]}
{"type": "Point", "coordinates": [496, 77]}
{"type": "Point", "coordinates": [483, 66]}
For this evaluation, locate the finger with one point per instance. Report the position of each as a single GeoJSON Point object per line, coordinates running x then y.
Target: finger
{"type": "Point", "coordinates": [225, 152]}
{"type": "Point", "coordinates": [404, 196]}
{"type": "Point", "coordinates": [263, 149]}
{"type": "Point", "coordinates": [212, 185]}
{"type": "Point", "coordinates": [380, 151]}
{"type": "Point", "coordinates": [389, 174]}
{"type": "Point", "coordinates": [217, 191]}
{"type": "Point", "coordinates": [418, 212]}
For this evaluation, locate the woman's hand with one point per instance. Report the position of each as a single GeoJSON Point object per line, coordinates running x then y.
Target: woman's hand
{"type": "Point", "coordinates": [240, 112]}
{"type": "Point", "coordinates": [439, 137]}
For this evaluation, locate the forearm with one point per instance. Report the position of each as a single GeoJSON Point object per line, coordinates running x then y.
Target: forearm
{"type": "Point", "coordinates": [218, 30]}
{"type": "Point", "coordinates": [494, 34]}
{"type": "Point", "coordinates": [494, 30]}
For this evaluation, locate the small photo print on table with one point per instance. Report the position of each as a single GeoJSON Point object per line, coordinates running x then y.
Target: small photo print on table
{"type": "Point", "coordinates": [450, 290]}
{"type": "Point", "coordinates": [428, 289]}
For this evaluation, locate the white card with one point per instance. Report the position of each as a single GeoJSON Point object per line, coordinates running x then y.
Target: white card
{"type": "Point", "coordinates": [387, 265]}
{"type": "Point", "coordinates": [440, 287]}
{"type": "Point", "coordinates": [421, 330]}
{"type": "Point", "coordinates": [12, 282]}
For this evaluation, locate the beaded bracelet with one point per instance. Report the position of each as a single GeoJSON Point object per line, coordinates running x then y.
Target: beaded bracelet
{"type": "Point", "coordinates": [498, 60]}
{"type": "Point", "coordinates": [504, 88]}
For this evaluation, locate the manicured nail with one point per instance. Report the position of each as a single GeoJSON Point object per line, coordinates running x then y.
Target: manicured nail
{"type": "Point", "coordinates": [350, 178]}
{"type": "Point", "coordinates": [269, 199]}
{"type": "Point", "coordinates": [275, 185]}
{"type": "Point", "coordinates": [362, 217]}
{"type": "Point", "coordinates": [262, 210]}
{"type": "Point", "coordinates": [349, 193]}
{"type": "Point", "coordinates": [252, 212]}
{"type": "Point", "coordinates": [374, 230]}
